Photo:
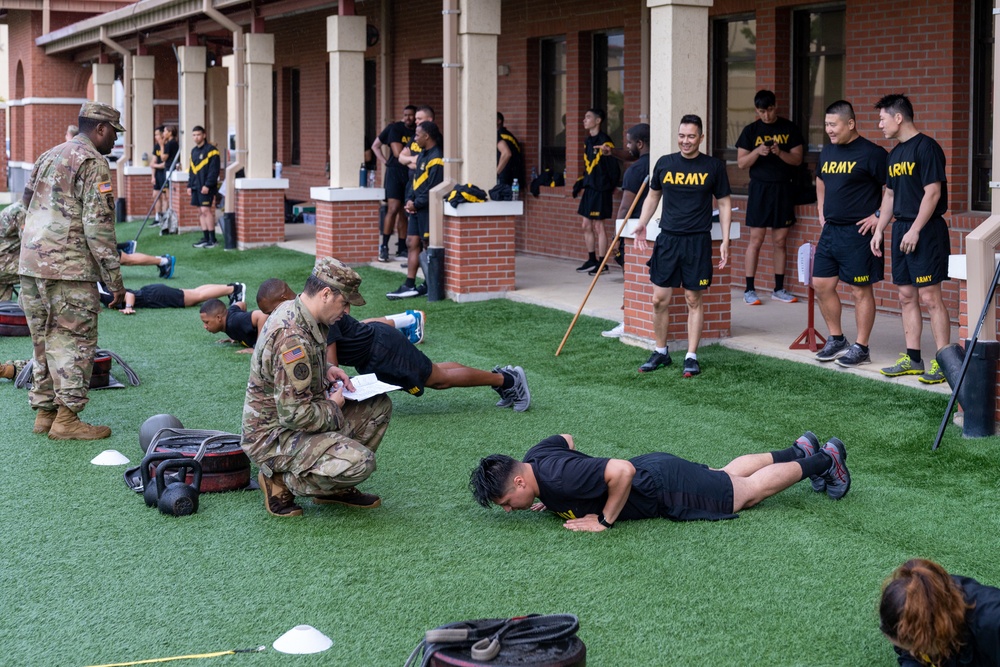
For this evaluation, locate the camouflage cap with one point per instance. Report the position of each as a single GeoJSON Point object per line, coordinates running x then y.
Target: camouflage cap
{"type": "Point", "coordinates": [98, 111]}
{"type": "Point", "coordinates": [341, 277]}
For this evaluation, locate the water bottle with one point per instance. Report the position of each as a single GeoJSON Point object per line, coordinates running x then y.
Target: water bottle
{"type": "Point", "coordinates": [371, 178]}
{"type": "Point", "coordinates": [363, 177]}
{"type": "Point", "coordinates": [515, 191]}
{"type": "Point", "coordinates": [277, 170]}
{"type": "Point", "coordinates": [534, 174]}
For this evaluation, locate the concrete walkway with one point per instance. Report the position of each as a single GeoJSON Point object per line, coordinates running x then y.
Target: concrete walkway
{"type": "Point", "coordinates": [767, 329]}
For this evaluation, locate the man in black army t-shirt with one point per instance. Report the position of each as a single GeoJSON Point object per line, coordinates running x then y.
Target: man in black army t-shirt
{"type": "Point", "coordinates": [203, 184]}
{"type": "Point", "coordinates": [510, 158]}
{"type": "Point", "coordinates": [771, 148]}
{"type": "Point", "coordinates": [592, 493]}
{"type": "Point", "coordinates": [396, 136]}
{"type": "Point", "coordinates": [600, 178]}
{"type": "Point", "coordinates": [682, 256]}
{"type": "Point", "coordinates": [849, 180]}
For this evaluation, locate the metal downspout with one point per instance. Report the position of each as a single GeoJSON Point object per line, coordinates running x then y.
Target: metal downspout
{"type": "Point", "coordinates": [126, 157]}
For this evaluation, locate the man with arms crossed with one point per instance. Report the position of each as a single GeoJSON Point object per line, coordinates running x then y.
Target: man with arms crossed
{"type": "Point", "coordinates": [916, 195]}
{"type": "Point", "coordinates": [682, 256]}
{"type": "Point", "coordinates": [849, 180]}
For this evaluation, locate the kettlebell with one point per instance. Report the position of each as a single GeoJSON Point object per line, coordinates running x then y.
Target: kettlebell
{"type": "Point", "coordinates": [178, 498]}
{"type": "Point", "coordinates": [149, 489]}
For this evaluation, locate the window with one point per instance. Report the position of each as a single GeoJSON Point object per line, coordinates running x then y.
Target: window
{"type": "Point", "coordinates": [609, 82]}
{"type": "Point", "coordinates": [553, 97]}
{"type": "Point", "coordinates": [982, 105]}
{"type": "Point", "coordinates": [818, 69]}
{"type": "Point", "coordinates": [294, 116]}
{"type": "Point", "coordinates": [734, 84]}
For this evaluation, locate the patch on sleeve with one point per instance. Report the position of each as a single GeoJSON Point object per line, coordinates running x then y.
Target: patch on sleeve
{"type": "Point", "coordinates": [301, 371]}
{"type": "Point", "coordinates": [293, 355]}
{"type": "Point", "coordinates": [104, 188]}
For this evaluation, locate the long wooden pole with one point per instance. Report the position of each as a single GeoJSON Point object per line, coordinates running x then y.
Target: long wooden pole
{"type": "Point", "coordinates": [607, 255]}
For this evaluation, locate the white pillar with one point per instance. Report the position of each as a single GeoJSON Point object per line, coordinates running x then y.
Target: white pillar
{"type": "Point", "coordinates": [345, 41]}
{"type": "Point", "coordinates": [192, 95]}
{"type": "Point", "coordinates": [259, 131]}
{"type": "Point", "coordinates": [104, 83]}
{"type": "Point", "coordinates": [217, 81]}
{"type": "Point", "coordinates": [678, 68]}
{"type": "Point", "coordinates": [143, 73]}
{"type": "Point", "coordinates": [478, 28]}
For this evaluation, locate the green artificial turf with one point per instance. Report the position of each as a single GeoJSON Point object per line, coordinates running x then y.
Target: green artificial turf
{"type": "Point", "coordinates": [89, 575]}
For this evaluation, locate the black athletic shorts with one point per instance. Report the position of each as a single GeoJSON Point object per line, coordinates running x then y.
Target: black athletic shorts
{"type": "Point", "coordinates": [843, 252]}
{"type": "Point", "coordinates": [682, 260]}
{"type": "Point", "coordinates": [688, 491]}
{"type": "Point", "coordinates": [928, 264]}
{"type": "Point", "coordinates": [395, 182]}
{"type": "Point", "coordinates": [419, 224]}
{"type": "Point", "coordinates": [595, 204]}
{"type": "Point", "coordinates": [770, 205]}
{"type": "Point", "coordinates": [396, 360]}
{"type": "Point", "coordinates": [198, 199]}
{"type": "Point", "coordinates": [160, 178]}
{"type": "Point", "coordinates": [159, 296]}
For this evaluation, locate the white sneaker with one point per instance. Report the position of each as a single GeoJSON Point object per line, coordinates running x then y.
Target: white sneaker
{"type": "Point", "coordinates": [614, 333]}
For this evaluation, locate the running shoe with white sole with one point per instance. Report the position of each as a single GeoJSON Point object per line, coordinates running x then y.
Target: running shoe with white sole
{"type": "Point", "coordinates": [415, 332]}
{"type": "Point", "coordinates": [854, 357]}
{"type": "Point", "coordinates": [616, 332]}
{"type": "Point", "coordinates": [784, 296]}
{"type": "Point", "coordinates": [832, 349]}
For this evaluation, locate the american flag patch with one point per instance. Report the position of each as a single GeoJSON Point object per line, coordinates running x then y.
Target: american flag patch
{"type": "Point", "coordinates": [293, 355]}
{"type": "Point", "coordinates": [104, 187]}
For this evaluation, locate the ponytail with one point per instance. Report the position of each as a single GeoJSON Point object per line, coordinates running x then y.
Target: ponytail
{"type": "Point", "coordinates": [923, 610]}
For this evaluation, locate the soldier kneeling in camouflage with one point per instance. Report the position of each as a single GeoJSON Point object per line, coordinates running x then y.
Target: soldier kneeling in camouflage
{"type": "Point", "coordinates": [296, 425]}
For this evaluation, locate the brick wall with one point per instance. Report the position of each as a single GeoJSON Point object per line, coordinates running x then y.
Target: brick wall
{"type": "Point", "coordinates": [180, 202]}
{"type": "Point", "coordinates": [347, 230]}
{"type": "Point", "coordinates": [479, 255]}
{"type": "Point", "coordinates": [260, 217]}
{"type": "Point", "coordinates": [139, 194]}
{"type": "Point", "coordinates": [717, 300]}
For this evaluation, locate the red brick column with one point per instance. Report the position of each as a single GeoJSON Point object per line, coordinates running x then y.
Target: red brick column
{"type": "Point", "coordinates": [347, 223]}
{"type": "Point", "coordinates": [139, 192]}
{"type": "Point", "coordinates": [180, 202]}
{"type": "Point", "coordinates": [639, 297]}
{"type": "Point", "coordinates": [479, 249]}
{"type": "Point", "coordinates": [260, 212]}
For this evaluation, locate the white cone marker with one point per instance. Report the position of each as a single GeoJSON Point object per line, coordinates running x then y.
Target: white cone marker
{"type": "Point", "coordinates": [302, 639]}
{"type": "Point", "coordinates": [109, 457]}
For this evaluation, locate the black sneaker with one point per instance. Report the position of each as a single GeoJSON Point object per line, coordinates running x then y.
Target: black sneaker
{"type": "Point", "coordinates": [422, 289]}
{"type": "Point", "coordinates": [383, 254]}
{"type": "Point", "coordinates": [587, 266]}
{"type": "Point", "coordinates": [402, 292]}
{"type": "Point", "coordinates": [691, 367]}
{"type": "Point", "coordinates": [402, 253]}
{"type": "Point", "coordinates": [593, 271]}
{"type": "Point", "coordinates": [506, 397]}
{"type": "Point", "coordinates": [832, 349]}
{"type": "Point", "coordinates": [211, 244]}
{"type": "Point", "coordinates": [837, 476]}
{"type": "Point", "coordinates": [655, 361]}
{"type": "Point", "coordinates": [239, 293]}
{"type": "Point", "coordinates": [201, 244]}
{"type": "Point", "coordinates": [808, 444]}
{"type": "Point", "coordinates": [854, 357]}
{"type": "Point", "coordinates": [519, 394]}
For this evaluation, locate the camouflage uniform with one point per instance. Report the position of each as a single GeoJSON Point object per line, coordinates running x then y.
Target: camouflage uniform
{"type": "Point", "coordinates": [11, 224]}
{"type": "Point", "coordinates": [67, 245]}
{"type": "Point", "coordinates": [289, 425]}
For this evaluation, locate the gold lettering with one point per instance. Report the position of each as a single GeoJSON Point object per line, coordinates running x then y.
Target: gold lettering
{"type": "Point", "coordinates": [923, 279]}
{"type": "Point", "coordinates": [860, 279]}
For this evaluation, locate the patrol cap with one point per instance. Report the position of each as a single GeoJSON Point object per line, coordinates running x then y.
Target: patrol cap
{"type": "Point", "coordinates": [102, 112]}
{"type": "Point", "coordinates": [341, 277]}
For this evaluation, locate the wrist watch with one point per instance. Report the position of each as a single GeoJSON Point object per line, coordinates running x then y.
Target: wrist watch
{"type": "Point", "coordinates": [604, 522]}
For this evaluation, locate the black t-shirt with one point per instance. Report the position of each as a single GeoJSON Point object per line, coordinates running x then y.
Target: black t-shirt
{"type": "Point", "coordinates": [572, 485]}
{"type": "Point", "coordinates": [515, 165]}
{"type": "Point", "coordinates": [396, 133]}
{"type": "Point", "coordinates": [353, 340]}
{"type": "Point", "coordinates": [912, 165]}
{"type": "Point", "coordinates": [239, 326]}
{"type": "Point", "coordinates": [632, 181]}
{"type": "Point", "coordinates": [170, 150]}
{"type": "Point", "coordinates": [601, 171]}
{"type": "Point", "coordinates": [771, 168]}
{"type": "Point", "coordinates": [688, 187]}
{"type": "Point", "coordinates": [853, 175]}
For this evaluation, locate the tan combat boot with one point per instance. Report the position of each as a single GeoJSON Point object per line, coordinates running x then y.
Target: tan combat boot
{"type": "Point", "coordinates": [278, 500]}
{"type": "Point", "coordinates": [7, 371]}
{"type": "Point", "coordinates": [43, 420]}
{"type": "Point", "coordinates": [68, 426]}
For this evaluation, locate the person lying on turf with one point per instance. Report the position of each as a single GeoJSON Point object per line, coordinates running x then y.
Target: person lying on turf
{"type": "Point", "coordinates": [274, 291]}
{"type": "Point", "coordinates": [239, 325]}
{"type": "Point", "coordinates": [159, 295]}
{"type": "Point", "coordinates": [593, 493]}
{"type": "Point", "coordinates": [933, 618]}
